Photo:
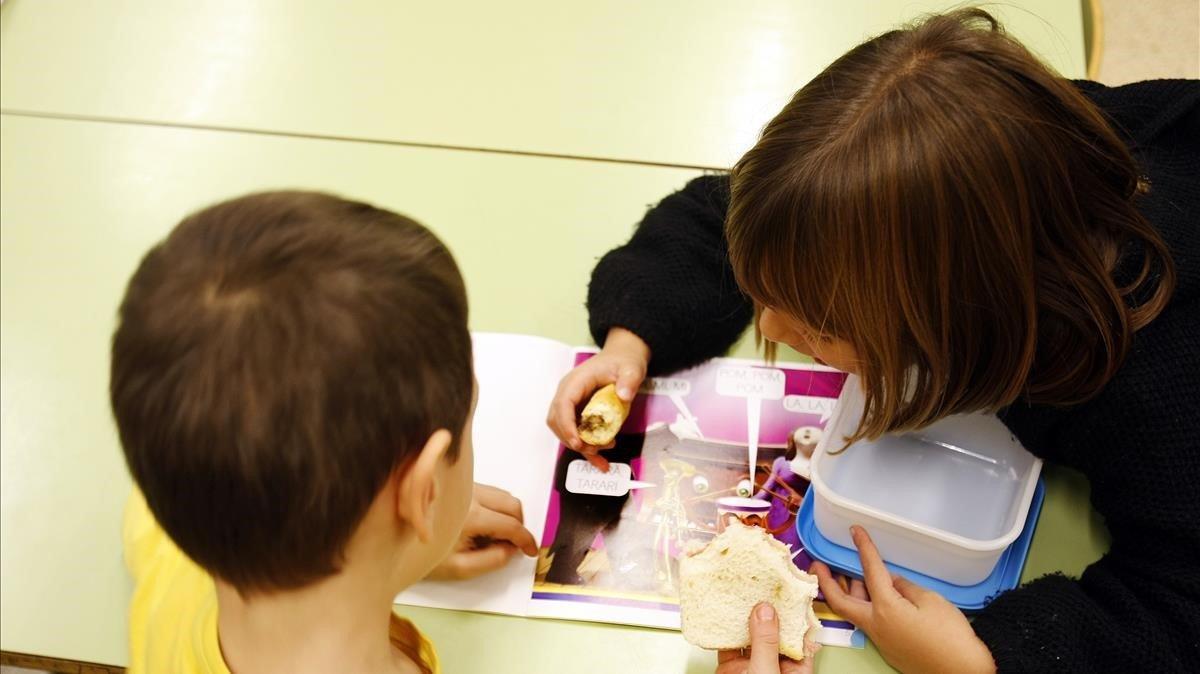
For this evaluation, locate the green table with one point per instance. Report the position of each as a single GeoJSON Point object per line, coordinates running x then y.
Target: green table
{"type": "Point", "coordinates": [81, 200]}
{"type": "Point", "coordinates": [682, 82]}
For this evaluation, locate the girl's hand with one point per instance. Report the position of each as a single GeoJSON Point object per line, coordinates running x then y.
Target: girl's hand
{"type": "Point", "coordinates": [622, 361]}
{"type": "Point", "coordinates": [915, 629]}
{"type": "Point", "coordinates": [763, 656]}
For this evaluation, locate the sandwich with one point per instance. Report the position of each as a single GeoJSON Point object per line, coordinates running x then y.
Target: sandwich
{"type": "Point", "coordinates": [721, 583]}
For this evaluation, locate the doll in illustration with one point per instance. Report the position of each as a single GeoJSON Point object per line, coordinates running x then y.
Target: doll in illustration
{"type": "Point", "coordinates": [786, 486]}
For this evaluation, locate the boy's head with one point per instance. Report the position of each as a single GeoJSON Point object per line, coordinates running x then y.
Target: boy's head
{"type": "Point", "coordinates": [284, 360]}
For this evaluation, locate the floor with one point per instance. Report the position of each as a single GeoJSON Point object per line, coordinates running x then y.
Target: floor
{"type": "Point", "coordinates": [1149, 40]}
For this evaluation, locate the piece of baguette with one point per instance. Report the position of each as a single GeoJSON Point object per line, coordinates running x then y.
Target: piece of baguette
{"type": "Point", "coordinates": [721, 583]}
{"type": "Point", "coordinates": [602, 417]}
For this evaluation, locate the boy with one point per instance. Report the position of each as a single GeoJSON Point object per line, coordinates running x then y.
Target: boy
{"type": "Point", "coordinates": [292, 383]}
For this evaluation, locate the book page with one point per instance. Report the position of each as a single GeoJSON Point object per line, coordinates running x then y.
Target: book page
{"type": "Point", "coordinates": [514, 450]}
{"type": "Point", "coordinates": [689, 439]}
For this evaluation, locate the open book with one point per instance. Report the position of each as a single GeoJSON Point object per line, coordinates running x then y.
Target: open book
{"type": "Point", "coordinates": [610, 542]}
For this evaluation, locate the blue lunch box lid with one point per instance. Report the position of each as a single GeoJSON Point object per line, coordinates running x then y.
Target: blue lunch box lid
{"type": "Point", "coordinates": [1005, 576]}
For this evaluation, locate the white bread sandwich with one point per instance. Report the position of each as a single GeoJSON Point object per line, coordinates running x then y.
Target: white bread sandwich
{"type": "Point", "coordinates": [602, 417]}
{"type": "Point", "coordinates": [722, 582]}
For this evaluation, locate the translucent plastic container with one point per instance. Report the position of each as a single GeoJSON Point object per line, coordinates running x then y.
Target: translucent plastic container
{"type": "Point", "coordinates": [945, 501]}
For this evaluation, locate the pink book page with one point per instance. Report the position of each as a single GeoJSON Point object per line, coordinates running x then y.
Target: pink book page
{"type": "Point", "coordinates": [614, 558]}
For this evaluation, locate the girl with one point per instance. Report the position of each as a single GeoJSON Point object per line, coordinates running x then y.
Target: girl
{"type": "Point", "coordinates": [941, 214]}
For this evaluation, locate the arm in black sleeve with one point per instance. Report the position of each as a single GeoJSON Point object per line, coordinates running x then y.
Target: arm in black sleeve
{"type": "Point", "coordinates": [1120, 616]}
{"type": "Point", "coordinates": [671, 284]}
{"type": "Point", "coordinates": [1137, 609]}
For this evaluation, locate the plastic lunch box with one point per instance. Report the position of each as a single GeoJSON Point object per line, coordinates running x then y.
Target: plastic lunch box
{"type": "Point", "coordinates": [1005, 576]}
{"type": "Point", "coordinates": [945, 501]}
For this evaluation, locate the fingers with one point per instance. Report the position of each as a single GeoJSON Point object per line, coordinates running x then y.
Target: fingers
{"type": "Point", "coordinates": [910, 590]}
{"type": "Point", "coordinates": [510, 525]}
{"type": "Point", "coordinates": [593, 456]}
{"type": "Point", "coordinates": [843, 582]}
{"type": "Point", "coordinates": [764, 640]}
{"type": "Point", "coordinates": [876, 574]}
{"type": "Point", "coordinates": [853, 609]}
{"type": "Point", "coordinates": [805, 666]}
{"type": "Point", "coordinates": [858, 590]}
{"type": "Point", "coordinates": [810, 647]}
{"type": "Point", "coordinates": [471, 563]}
{"type": "Point", "coordinates": [501, 527]}
{"type": "Point", "coordinates": [494, 498]}
{"type": "Point", "coordinates": [736, 666]}
{"type": "Point", "coordinates": [572, 390]}
{"type": "Point", "coordinates": [561, 418]}
{"type": "Point", "coordinates": [809, 663]}
{"type": "Point", "coordinates": [764, 657]}
{"type": "Point", "coordinates": [629, 380]}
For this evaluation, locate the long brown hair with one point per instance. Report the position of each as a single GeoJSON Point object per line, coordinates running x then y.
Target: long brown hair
{"type": "Point", "coordinates": [958, 213]}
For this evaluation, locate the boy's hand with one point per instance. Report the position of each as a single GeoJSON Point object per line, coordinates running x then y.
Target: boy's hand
{"type": "Point", "coordinates": [915, 629]}
{"type": "Point", "coordinates": [763, 656]}
{"type": "Point", "coordinates": [493, 533]}
{"type": "Point", "coordinates": [622, 361]}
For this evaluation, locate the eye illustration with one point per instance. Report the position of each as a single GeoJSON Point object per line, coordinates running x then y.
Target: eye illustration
{"type": "Point", "coordinates": [745, 489]}
{"type": "Point", "coordinates": [700, 484]}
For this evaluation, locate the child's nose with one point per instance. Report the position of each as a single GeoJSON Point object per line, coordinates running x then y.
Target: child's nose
{"type": "Point", "coordinates": [768, 325]}
{"type": "Point", "coordinates": [773, 328]}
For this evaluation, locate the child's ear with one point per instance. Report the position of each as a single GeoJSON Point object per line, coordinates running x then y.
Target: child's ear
{"type": "Point", "coordinates": [418, 485]}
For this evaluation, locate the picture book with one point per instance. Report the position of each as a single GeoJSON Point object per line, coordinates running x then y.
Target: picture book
{"type": "Point", "coordinates": [610, 542]}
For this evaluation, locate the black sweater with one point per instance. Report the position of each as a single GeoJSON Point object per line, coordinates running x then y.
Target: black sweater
{"type": "Point", "coordinates": [1137, 608]}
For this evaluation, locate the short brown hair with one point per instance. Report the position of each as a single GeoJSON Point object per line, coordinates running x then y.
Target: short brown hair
{"type": "Point", "coordinates": [941, 200]}
{"type": "Point", "coordinates": [278, 356]}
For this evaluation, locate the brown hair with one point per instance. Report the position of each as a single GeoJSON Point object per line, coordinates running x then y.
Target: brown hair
{"type": "Point", "coordinates": [941, 200]}
{"type": "Point", "coordinates": [278, 356]}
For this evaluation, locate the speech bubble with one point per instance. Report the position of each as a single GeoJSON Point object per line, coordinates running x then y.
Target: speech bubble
{"type": "Point", "coordinates": [815, 405]}
{"type": "Point", "coordinates": [764, 383]}
{"type": "Point", "coordinates": [666, 386]}
{"type": "Point", "coordinates": [675, 390]}
{"type": "Point", "coordinates": [755, 384]}
{"type": "Point", "coordinates": [584, 478]}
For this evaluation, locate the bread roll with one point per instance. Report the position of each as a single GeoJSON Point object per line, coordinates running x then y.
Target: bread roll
{"type": "Point", "coordinates": [602, 417]}
{"type": "Point", "coordinates": [721, 583]}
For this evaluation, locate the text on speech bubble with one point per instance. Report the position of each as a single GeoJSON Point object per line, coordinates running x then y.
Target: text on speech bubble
{"type": "Point", "coordinates": [815, 405]}
{"type": "Point", "coordinates": [764, 383]}
{"type": "Point", "coordinates": [666, 386]}
{"type": "Point", "coordinates": [584, 478]}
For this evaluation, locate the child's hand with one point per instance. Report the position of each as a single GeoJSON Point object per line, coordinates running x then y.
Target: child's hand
{"type": "Point", "coordinates": [622, 361]}
{"type": "Point", "coordinates": [763, 656]}
{"type": "Point", "coordinates": [915, 629]}
{"type": "Point", "coordinates": [493, 533]}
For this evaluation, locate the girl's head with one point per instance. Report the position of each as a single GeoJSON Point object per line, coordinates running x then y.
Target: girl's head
{"type": "Point", "coordinates": [940, 213]}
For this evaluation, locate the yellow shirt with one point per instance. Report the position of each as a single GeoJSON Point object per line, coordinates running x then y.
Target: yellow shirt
{"type": "Point", "coordinates": [173, 612]}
